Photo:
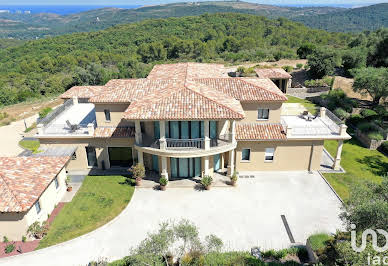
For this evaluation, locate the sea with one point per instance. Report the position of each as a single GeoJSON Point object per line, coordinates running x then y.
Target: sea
{"type": "Point", "coordinates": [60, 10]}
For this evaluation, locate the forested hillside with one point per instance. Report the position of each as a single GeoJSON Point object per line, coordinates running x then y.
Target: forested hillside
{"type": "Point", "coordinates": [50, 66]}
{"type": "Point", "coordinates": [31, 26]}
{"type": "Point", "coordinates": [352, 20]}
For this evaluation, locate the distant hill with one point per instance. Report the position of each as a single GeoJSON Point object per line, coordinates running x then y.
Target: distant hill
{"type": "Point", "coordinates": [352, 20]}
{"type": "Point", "coordinates": [31, 26]}
{"type": "Point", "coordinates": [50, 66]}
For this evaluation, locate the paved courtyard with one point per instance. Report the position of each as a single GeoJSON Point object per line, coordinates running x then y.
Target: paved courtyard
{"type": "Point", "coordinates": [245, 216]}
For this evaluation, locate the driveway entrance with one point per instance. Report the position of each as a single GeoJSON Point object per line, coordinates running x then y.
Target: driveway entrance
{"type": "Point", "coordinates": [244, 216]}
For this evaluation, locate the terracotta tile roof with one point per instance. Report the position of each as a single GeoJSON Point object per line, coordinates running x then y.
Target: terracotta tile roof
{"type": "Point", "coordinates": [272, 73]}
{"type": "Point", "coordinates": [258, 131]}
{"type": "Point", "coordinates": [114, 132]}
{"type": "Point", "coordinates": [82, 92]}
{"type": "Point", "coordinates": [24, 179]}
{"type": "Point", "coordinates": [185, 101]}
{"type": "Point", "coordinates": [246, 89]}
{"type": "Point", "coordinates": [128, 90]}
{"type": "Point", "coordinates": [189, 70]}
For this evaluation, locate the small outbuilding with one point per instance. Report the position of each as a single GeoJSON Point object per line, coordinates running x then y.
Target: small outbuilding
{"type": "Point", "coordinates": [279, 76]}
{"type": "Point", "coordinates": [30, 188]}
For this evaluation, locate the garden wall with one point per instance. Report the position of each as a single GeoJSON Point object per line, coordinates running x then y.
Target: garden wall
{"type": "Point", "coordinates": [371, 144]}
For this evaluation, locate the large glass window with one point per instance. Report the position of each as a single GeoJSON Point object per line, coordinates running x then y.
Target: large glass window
{"type": "Point", "coordinates": [91, 155]}
{"type": "Point", "coordinates": [246, 154]}
{"type": "Point", "coordinates": [120, 156]}
{"type": "Point", "coordinates": [56, 183]}
{"type": "Point", "coordinates": [37, 207]}
{"type": "Point", "coordinates": [107, 115]}
{"type": "Point", "coordinates": [262, 114]}
{"type": "Point", "coordinates": [269, 154]}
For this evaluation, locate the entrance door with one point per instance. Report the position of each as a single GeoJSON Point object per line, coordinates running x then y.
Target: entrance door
{"type": "Point", "coordinates": [183, 167]}
{"type": "Point", "coordinates": [217, 162]}
{"type": "Point", "coordinates": [120, 156]}
{"type": "Point", "coordinates": [174, 167]}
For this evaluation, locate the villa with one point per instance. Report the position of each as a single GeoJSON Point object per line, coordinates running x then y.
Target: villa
{"type": "Point", "coordinates": [190, 119]}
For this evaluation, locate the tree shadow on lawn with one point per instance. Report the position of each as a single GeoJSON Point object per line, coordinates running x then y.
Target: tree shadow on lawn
{"type": "Point", "coordinates": [375, 164]}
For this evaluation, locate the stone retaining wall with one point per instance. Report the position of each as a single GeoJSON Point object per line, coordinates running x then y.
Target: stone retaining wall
{"type": "Point", "coordinates": [371, 144]}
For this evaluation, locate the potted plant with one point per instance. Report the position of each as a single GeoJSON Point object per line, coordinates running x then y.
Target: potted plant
{"type": "Point", "coordinates": [163, 183]}
{"type": "Point", "coordinates": [206, 181]}
{"type": "Point", "coordinates": [233, 179]}
{"type": "Point", "coordinates": [138, 172]}
{"type": "Point", "coordinates": [67, 181]}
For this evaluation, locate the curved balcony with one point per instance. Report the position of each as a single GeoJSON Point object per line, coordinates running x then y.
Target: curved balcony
{"type": "Point", "coordinates": [185, 148]}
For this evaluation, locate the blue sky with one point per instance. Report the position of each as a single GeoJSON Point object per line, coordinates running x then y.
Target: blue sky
{"type": "Point", "coordinates": [149, 2]}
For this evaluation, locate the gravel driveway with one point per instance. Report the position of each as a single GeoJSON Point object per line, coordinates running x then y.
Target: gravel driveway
{"type": "Point", "coordinates": [245, 216]}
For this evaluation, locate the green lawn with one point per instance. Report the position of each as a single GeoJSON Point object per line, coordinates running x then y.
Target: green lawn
{"type": "Point", "coordinates": [318, 241]}
{"type": "Point", "coordinates": [360, 164]}
{"type": "Point", "coordinates": [305, 103]}
{"type": "Point", "coordinates": [32, 145]}
{"type": "Point", "coordinates": [99, 200]}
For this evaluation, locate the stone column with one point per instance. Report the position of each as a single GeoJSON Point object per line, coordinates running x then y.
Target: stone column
{"type": "Point", "coordinates": [206, 165]}
{"type": "Point", "coordinates": [207, 133]}
{"type": "Point", "coordinates": [75, 100]}
{"type": "Point", "coordinates": [231, 163]}
{"type": "Point", "coordinates": [322, 112]}
{"type": "Point", "coordinates": [232, 131]}
{"type": "Point", "coordinates": [162, 133]}
{"type": "Point", "coordinates": [138, 136]}
{"type": "Point", "coordinates": [164, 168]}
{"type": "Point", "coordinates": [337, 160]}
{"type": "Point", "coordinates": [289, 131]}
{"type": "Point", "coordinates": [139, 141]}
{"type": "Point", "coordinates": [91, 129]}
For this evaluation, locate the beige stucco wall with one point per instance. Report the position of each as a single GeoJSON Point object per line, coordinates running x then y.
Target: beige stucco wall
{"type": "Point", "coordinates": [101, 145]}
{"type": "Point", "coordinates": [289, 156]}
{"type": "Point", "coordinates": [116, 114]}
{"type": "Point", "coordinates": [15, 225]}
{"type": "Point", "coordinates": [250, 110]}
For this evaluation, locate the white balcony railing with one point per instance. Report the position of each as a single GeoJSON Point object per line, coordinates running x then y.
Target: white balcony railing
{"type": "Point", "coordinates": [311, 122]}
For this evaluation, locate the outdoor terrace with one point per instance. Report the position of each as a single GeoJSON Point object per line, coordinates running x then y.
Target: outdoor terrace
{"type": "Point", "coordinates": [301, 122]}
{"type": "Point", "coordinates": [70, 119]}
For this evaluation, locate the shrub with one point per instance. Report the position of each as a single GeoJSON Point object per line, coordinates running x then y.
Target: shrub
{"type": "Point", "coordinates": [366, 127]}
{"type": "Point", "coordinates": [206, 180]}
{"type": "Point", "coordinates": [375, 135]}
{"type": "Point", "coordinates": [3, 115]}
{"type": "Point", "coordinates": [9, 248]}
{"type": "Point", "coordinates": [37, 230]}
{"type": "Point", "coordinates": [340, 113]}
{"type": "Point", "coordinates": [5, 239]}
{"type": "Point", "coordinates": [384, 146]}
{"type": "Point", "coordinates": [234, 177]}
{"type": "Point", "coordinates": [288, 68]}
{"type": "Point", "coordinates": [354, 119]}
{"type": "Point", "coordinates": [299, 66]}
{"type": "Point", "coordinates": [367, 113]}
{"type": "Point", "coordinates": [24, 239]}
{"type": "Point", "coordinates": [318, 241]}
{"type": "Point", "coordinates": [138, 171]}
{"type": "Point", "coordinates": [317, 83]}
{"type": "Point", "coordinates": [163, 181]}
{"type": "Point", "coordinates": [44, 112]}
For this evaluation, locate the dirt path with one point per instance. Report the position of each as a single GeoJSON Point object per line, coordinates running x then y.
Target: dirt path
{"type": "Point", "coordinates": [12, 134]}
{"type": "Point", "coordinates": [24, 110]}
{"type": "Point", "coordinates": [346, 85]}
